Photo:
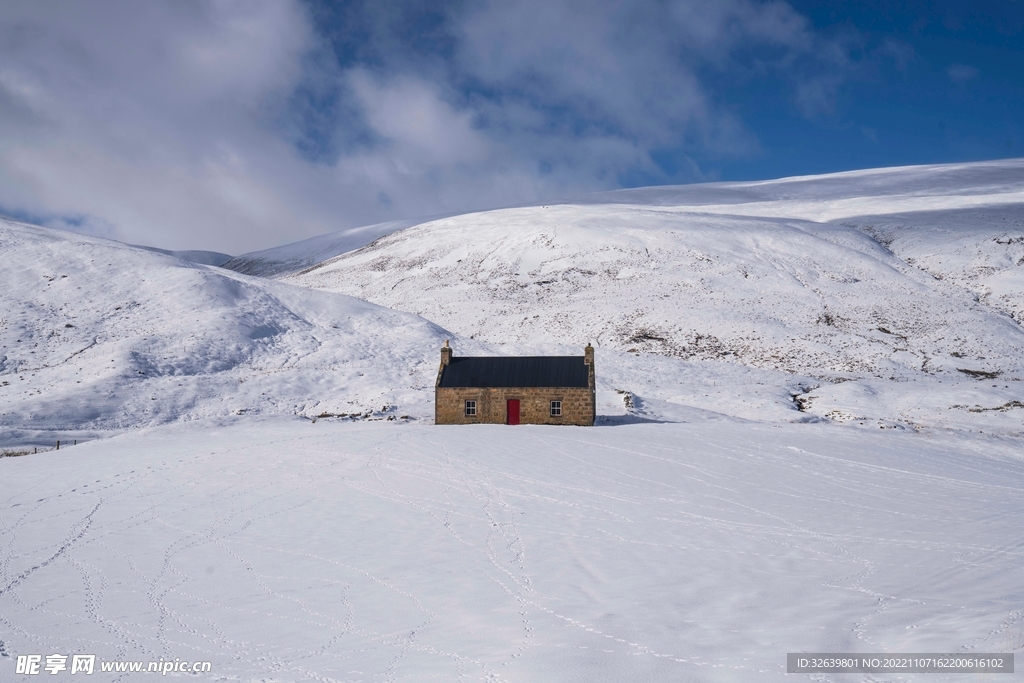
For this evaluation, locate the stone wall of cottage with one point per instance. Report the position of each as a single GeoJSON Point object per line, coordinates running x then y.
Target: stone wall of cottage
{"type": "Point", "coordinates": [578, 405]}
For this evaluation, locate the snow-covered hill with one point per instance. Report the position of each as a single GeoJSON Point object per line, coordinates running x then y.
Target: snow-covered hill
{"type": "Point", "coordinates": [822, 198]}
{"type": "Point", "coordinates": [722, 301]}
{"type": "Point", "coordinates": [206, 258]}
{"type": "Point", "coordinates": [779, 293]}
{"type": "Point", "coordinates": [297, 256]}
{"type": "Point", "coordinates": [835, 196]}
{"type": "Point", "coordinates": [97, 336]}
{"type": "Point", "coordinates": [818, 276]}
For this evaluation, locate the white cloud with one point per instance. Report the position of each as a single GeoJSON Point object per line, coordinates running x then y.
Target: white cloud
{"type": "Point", "coordinates": [588, 61]}
{"type": "Point", "coordinates": [420, 128]}
{"type": "Point", "coordinates": [146, 117]}
{"type": "Point", "coordinates": [232, 125]}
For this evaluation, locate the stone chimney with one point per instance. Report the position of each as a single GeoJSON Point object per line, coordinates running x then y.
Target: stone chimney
{"type": "Point", "coordinates": [446, 358]}
{"type": "Point", "coordinates": [588, 360]}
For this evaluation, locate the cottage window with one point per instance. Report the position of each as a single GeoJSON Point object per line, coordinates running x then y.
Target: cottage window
{"type": "Point", "coordinates": [556, 409]}
{"type": "Point", "coordinates": [470, 408]}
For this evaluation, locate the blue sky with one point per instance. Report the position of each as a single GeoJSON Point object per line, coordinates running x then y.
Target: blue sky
{"type": "Point", "coordinates": [238, 125]}
{"type": "Point", "coordinates": [954, 91]}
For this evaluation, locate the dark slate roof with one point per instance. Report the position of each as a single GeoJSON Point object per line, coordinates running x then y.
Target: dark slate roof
{"type": "Point", "coordinates": [515, 371]}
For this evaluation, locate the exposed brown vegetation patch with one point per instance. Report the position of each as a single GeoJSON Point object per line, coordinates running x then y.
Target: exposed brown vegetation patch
{"type": "Point", "coordinates": [980, 374]}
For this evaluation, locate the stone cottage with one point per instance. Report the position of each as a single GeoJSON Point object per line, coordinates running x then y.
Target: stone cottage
{"type": "Point", "coordinates": [515, 389]}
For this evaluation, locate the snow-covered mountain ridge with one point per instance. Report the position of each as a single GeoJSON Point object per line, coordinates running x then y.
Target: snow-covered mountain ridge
{"type": "Point", "coordinates": [98, 336]}
{"type": "Point", "coordinates": [834, 197]}
{"type": "Point", "coordinates": [778, 293]}
{"type": "Point", "coordinates": [892, 320]}
{"type": "Point", "coordinates": [744, 274]}
{"type": "Point", "coordinates": [300, 255]}
{"type": "Point", "coordinates": [879, 190]}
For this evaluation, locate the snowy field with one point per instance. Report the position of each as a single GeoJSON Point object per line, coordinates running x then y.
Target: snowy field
{"type": "Point", "coordinates": [811, 438]}
{"type": "Point", "coordinates": [286, 550]}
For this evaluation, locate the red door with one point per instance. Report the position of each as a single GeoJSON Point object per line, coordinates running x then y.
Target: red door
{"type": "Point", "coordinates": [512, 411]}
